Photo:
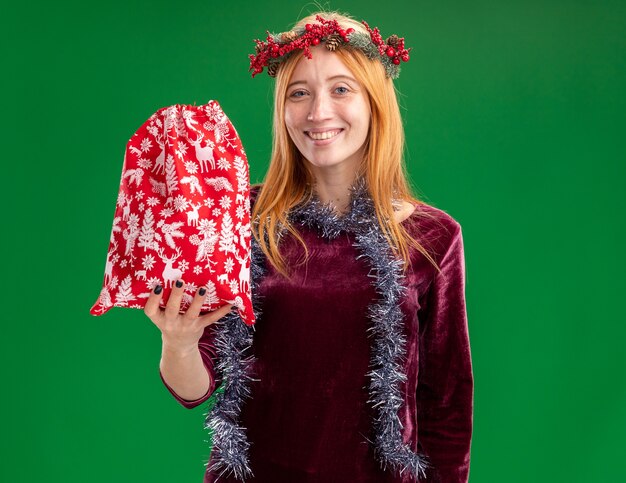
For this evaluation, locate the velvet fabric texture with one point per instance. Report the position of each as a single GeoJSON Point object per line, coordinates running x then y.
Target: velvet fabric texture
{"type": "Point", "coordinates": [308, 419]}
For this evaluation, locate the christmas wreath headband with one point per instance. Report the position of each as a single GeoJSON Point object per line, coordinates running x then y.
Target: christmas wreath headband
{"type": "Point", "coordinates": [279, 47]}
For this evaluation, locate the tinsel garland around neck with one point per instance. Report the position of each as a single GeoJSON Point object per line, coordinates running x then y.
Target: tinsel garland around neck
{"type": "Point", "coordinates": [387, 354]}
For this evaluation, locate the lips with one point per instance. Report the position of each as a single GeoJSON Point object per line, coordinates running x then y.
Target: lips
{"type": "Point", "coordinates": [321, 135]}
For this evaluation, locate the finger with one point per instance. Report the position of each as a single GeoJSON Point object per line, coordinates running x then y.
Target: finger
{"type": "Point", "coordinates": [215, 315]}
{"type": "Point", "coordinates": [151, 309]}
{"type": "Point", "coordinates": [196, 304]}
{"type": "Point", "coordinates": [172, 309]}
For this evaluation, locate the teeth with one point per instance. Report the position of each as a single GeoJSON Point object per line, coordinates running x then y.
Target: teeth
{"type": "Point", "coordinates": [323, 135]}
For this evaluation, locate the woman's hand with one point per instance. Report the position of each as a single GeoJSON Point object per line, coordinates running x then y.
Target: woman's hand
{"type": "Point", "coordinates": [181, 332]}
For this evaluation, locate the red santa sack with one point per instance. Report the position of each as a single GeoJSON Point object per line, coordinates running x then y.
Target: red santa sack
{"type": "Point", "coordinates": [182, 212]}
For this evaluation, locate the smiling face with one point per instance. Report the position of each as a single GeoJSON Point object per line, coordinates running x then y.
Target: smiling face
{"type": "Point", "coordinates": [327, 113]}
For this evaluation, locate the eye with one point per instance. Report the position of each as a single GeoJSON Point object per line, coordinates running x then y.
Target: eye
{"type": "Point", "coordinates": [342, 90]}
{"type": "Point", "coordinates": [297, 93]}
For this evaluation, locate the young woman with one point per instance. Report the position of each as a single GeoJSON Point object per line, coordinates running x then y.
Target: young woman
{"type": "Point", "coordinates": [358, 368]}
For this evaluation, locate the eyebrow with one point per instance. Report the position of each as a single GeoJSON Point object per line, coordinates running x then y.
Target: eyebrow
{"type": "Point", "coordinates": [328, 79]}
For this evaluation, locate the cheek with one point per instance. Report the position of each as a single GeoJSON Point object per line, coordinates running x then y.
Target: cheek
{"type": "Point", "coordinates": [361, 118]}
{"type": "Point", "coordinates": [289, 122]}
{"type": "Point", "coordinates": [293, 114]}
{"type": "Point", "coordinates": [293, 135]}
{"type": "Point", "coordinates": [366, 118]}
{"type": "Point", "coordinates": [364, 124]}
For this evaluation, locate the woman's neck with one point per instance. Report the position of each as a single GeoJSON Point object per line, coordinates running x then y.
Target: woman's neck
{"type": "Point", "coordinates": [335, 190]}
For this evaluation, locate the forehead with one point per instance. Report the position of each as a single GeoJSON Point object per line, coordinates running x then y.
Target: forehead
{"type": "Point", "coordinates": [324, 65]}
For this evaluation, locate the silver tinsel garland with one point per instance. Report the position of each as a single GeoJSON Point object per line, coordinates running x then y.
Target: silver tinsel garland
{"type": "Point", "coordinates": [388, 352]}
{"type": "Point", "coordinates": [234, 338]}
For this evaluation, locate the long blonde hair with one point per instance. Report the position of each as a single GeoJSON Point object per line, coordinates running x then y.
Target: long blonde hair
{"type": "Point", "coordinates": [288, 178]}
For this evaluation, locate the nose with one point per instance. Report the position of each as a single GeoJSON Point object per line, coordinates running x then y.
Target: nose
{"type": "Point", "coordinates": [320, 109]}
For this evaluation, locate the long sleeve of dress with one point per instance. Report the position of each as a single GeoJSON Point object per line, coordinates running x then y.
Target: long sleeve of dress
{"type": "Point", "coordinates": [209, 358]}
{"type": "Point", "coordinates": [445, 382]}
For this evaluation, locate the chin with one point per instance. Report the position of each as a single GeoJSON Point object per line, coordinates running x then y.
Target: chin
{"type": "Point", "coordinates": [325, 163]}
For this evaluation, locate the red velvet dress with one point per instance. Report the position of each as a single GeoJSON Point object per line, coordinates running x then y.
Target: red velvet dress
{"type": "Point", "coordinates": [308, 419]}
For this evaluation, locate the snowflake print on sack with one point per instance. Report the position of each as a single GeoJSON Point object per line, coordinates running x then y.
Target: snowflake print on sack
{"type": "Point", "coordinates": [182, 211]}
{"type": "Point", "coordinates": [148, 262]}
{"type": "Point", "coordinates": [225, 202]}
{"type": "Point", "coordinates": [166, 212]}
{"type": "Point", "coordinates": [144, 163]}
{"type": "Point", "coordinates": [234, 286]}
{"type": "Point", "coordinates": [180, 203]}
{"type": "Point", "coordinates": [223, 163]}
{"type": "Point", "coordinates": [152, 282]}
{"type": "Point", "coordinates": [146, 144]}
{"type": "Point", "coordinates": [191, 167]}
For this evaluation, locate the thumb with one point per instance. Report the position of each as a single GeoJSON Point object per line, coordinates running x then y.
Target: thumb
{"type": "Point", "coordinates": [215, 315]}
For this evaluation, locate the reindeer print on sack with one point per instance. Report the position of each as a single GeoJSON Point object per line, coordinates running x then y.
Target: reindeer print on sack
{"type": "Point", "coordinates": [169, 274]}
{"type": "Point", "coordinates": [203, 154]}
{"type": "Point", "coordinates": [182, 212]}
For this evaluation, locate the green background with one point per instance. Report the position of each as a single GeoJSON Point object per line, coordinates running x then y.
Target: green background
{"type": "Point", "coordinates": [513, 111]}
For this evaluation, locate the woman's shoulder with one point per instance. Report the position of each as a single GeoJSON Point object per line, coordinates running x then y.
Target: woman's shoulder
{"type": "Point", "coordinates": [433, 226]}
{"type": "Point", "coordinates": [429, 216]}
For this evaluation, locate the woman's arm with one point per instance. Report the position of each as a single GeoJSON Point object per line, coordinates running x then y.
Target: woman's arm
{"type": "Point", "coordinates": [445, 384]}
{"type": "Point", "coordinates": [189, 374]}
{"type": "Point", "coordinates": [186, 365]}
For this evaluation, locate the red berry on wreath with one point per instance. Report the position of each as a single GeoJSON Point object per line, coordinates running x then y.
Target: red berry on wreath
{"type": "Point", "coordinates": [391, 52]}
